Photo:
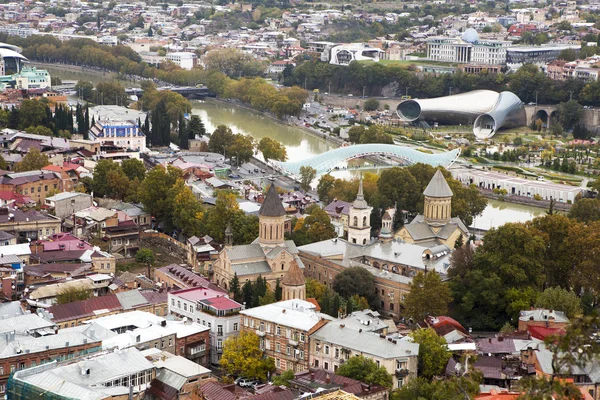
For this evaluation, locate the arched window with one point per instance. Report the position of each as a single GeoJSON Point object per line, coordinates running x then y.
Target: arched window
{"type": "Point", "coordinates": [271, 232]}
{"type": "Point", "coordinates": [282, 266]}
{"type": "Point", "coordinates": [364, 221]}
{"type": "Point", "coordinates": [385, 267]}
{"type": "Point", "coordinates": [376, 264]}
{"type": "Point", "coordinates": [395, 269]}
{"type": "Point", "coordinates": [293, 294]}
{"type": "Point", "coordinates": [355, 221]}
{"type": "Point", "coordinates": [277, 231]}
{"type": "Point", "coordinates": [364, 241]}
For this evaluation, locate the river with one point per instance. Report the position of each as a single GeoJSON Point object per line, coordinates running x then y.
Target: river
{"type": "Point", "coordinates": [299, 143]}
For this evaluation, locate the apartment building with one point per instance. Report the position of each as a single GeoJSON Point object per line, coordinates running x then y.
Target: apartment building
{"type": "Point", "coordinates": [211, 308]}
{"type": "Point", "coordinates": [284, 329]}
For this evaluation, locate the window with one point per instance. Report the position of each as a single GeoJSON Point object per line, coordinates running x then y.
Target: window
{"type": "Point", "coordinates": [162, 344]}
{"type": "Point", "coordinates": [219, 344]}
{"type": "Point", "coordinates": [261, 327]}
{"type": "Point", "coordinates": [278, 330]}
{"type": "Point", "coordinates": [391, 306]}
{"type": "Point", "coordinates": [170, 342]}
{"type": "Point", "coordinates": [185, 306]}
{"type": "Point", "coordinates": [337, 353]}
{"type": "Point", "coordinates": [377, 362]}
{"type": "Point", "coordinates": [325, 365]}
{"type": "Point", "coordinates": [235, 326]}
{"type": "Point", "coordinates": [278, 363]}
{"type": "Point", "coordinates": [326, 352]}
{"type": "Point", "coordinates": [316, 363]}
{"type": "Point", "coordinates": [302, 337]}
{"type": "Point", "coordinates": [277, 347]}
{"type": "Point", "coordinates": [219, 330]}
{"type": "Point", "coordinates": [288, 350]}
{"type": "Point", "coordinates": [173, 302]}
{"type": "Point", "coordinates": [178, 304]}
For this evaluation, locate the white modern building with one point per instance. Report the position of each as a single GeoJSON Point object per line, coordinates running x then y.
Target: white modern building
{"type": "Point", "coordinates": [344, 54]}
{"type": "Point", "coordinates": [468, 49]}
{"type": "Point", "coordinates": [183, 59]}
{"type": "Point", "coordinates": [538, 55]}
{"type": "Point", "coordinates": [211, 308]}
{"type": "Point", "coordinates": [124, 134]}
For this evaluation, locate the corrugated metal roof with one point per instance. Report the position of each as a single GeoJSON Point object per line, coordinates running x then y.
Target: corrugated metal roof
{"type": "Point", "coordinates": [257, 267]}
{"type": "Point", "coordinates": [84, 308]}
{"type": "Point", "coordinates": [245, 251]}
{"type": "Point", "coordinates": [131, 299]}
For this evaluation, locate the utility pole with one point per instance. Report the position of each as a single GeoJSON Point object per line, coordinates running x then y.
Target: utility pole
{"type": "Point", "coordinates": [450, 91]}
{"type": "Point", "coordinates": [363, 96]}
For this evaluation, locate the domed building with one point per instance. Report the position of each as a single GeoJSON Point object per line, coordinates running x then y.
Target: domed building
{"type": "Point", "coordinates": [436, 225]}
{"type": "Point", "coordinates": [293, 286]}
{"type": "Point", "coordinates": [470, 36]}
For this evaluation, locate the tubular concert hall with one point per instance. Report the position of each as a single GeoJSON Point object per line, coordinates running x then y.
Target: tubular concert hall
{"type": "Point", "coordinates": [487, 110]}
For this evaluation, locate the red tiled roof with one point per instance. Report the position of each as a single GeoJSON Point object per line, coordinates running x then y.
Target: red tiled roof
{"type": "Point", "coordinates": [221, 303]}
{"type": "Point", "coordinates": [214, 391]}
{"type": "Point", "coordinates": [84, 308]}
{"type": "Point", "coordinates": [541, 332]}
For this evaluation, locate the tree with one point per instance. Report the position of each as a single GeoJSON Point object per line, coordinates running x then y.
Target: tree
{"type": "Point", "coordinates": [371, 105]}
{"type": "Point", "coordinates": [3, 164]}
{"type": "Point", "coordinates": [34, 160]}
{"type": "Point", "coordinates": [234, 288]}
{"type": "Point", "coordinates": [585, 210]}
{"type": "Point", "coordinates": [71, 294]}
{"type": "Point", "coordinates": [455, 388]}
{"type": "Point", "coordinates": [284, 379]}
{"type": "Point", "coordinates": [101, 183]}
{"type": "Point", "coordinates": [307, 175]}
{"type": "Point", "coordinates": [110, 93]}
{"type": "Point", "coordinates": [278, 290]}
{"type": "Point", "coordinates": [428, 296]}
{"type": "Point", "coordinates": [365, 370]}
{"type": "Point", "coordinates": [272, 149]}
{"type": "Point", "coordinates": [314, 227]}
{"type": "Point", "coordinates": [267, 298]}
{"type": "Point", "coordinates": [569, 113]}
{"type": "Point", "coordinates": [315, 289]}
{"type": "Point", "coordinates": [195, 127]}
{"type": "Point", "coordinates": [433, 352]}
{"type": "Point", "coordinates": [355, 280]}
{"type": "Point", "coordinates": [161, 125]}
{"type": "Point", "coordinates": [567, 55]}
{"type": "Point", "coordinates": [84, 89]}
{"type": "Point", "coordinates": [242, 356]}
{"type": "Point", "coordinates": [134, 168]}
{"type": "Point", "coordinates": [145, 256]}
{"type": "Point", "coordinates": [183, 135]}
{"type": "Point", "coordinates": [355, 133]}
{"type": "Point", "coordinates": [221, 139]}
{"type": "Point", "coordinates": [326, 184]}
{"type": "Point", "coordinates": [233, 63]}
{"type": "Point", "coordinates": [398, 186]}
{"type": "Point", "coordinates": [33, 113]}
{"type": "Point", "coordinates": [187, 211]}
{"type": "Point", "coordinates": [560, 299]}
{"type": "Point", "coordinates": [156, 195]}
{"type": "Point", "coordinates": [242, 147]}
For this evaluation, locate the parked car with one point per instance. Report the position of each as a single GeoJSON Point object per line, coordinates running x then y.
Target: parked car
{"type": "Point", "coordinates": [245, 382]}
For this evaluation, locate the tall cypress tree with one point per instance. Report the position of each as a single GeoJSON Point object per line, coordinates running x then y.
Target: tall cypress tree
{"type": "Point", "coordinates": [86, 123]}
{"type": "Point", "coordinates": [183, 136]}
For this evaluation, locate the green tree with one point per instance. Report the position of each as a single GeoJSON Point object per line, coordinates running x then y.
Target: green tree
{"type": "Point", "coordinates": [315, 289]}
{"type": "Point", "coordinates": [160, 134]}
{"type": "Point", "coordinates": [34, 160]}
{"type": "Point", "coordinates": [355, 133]}
{"type": "Point", "coordinates": [145, 256]}
{"type": "Point", "coordinates": [71, 294]}
{"type": "Point", "coordinates": [100, 183]}
{"type": "Point", "coordinates": [569, 113]}
{"type": "Point", "coordinates": [195, 127]}
{"type": "Point", "coordinates": [428, 296]}
{"type": "Point", "coordinates": [84, 89]}
{"type": "Point", "coordinates": [561, 300]}
{"type": "Point", "coordinates": [314, 227]}
{"type": "Point", "coordinates": [284, 379]}
{"type": "Point", "coordinates": [455, 388]}
{"type": "Point", "coordinates": [234, 288]}
{"type": "Point", "coordinates": [183, 135]}
{"type": "Point", "coordinates": [433, 352]}
{"type": "Point", "coordinates": [585, 210]}
{"type": "Point", "coordinates": [267, 298]}
{"type": "Point", "coordinates": [242, 148]}
{"type": "Point", "coordinates": [355, 280]}
{"type": "Point", "coordinates": [33, 113]}
{"type": "Point", "coordinates": [307, 175]}
{"type": "Point", "coordinates": [326, 184]}
{"type": "Point", "coordinates": [187, 210]}
{"type": "Point", "coordinates": [371, 105]}
{"type": "Point", "coordinates": [221, 139]}
{"type": "Point", "coordinates": [134, 168]}
{"type": "Point", "coordinates": [156, 195]}
{"type": "Point", "coordinates": [398, 186]}
{"type": "Point", "coordinates": [242, 356]}
{"type": "Point", "coordinates": [110, 93]}
{"type": "Point", "coordinates": [365, 370]}
{"type": "Point", "coordinates": [3, 164]}
{"type": "Point", "coordinates": [272, 149]}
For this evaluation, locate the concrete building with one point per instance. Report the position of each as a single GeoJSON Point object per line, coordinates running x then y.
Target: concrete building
{"type": "Point", "coordinates": [542, 317]}
{"type": "Point", "coordinates": [516, 186]}
{"type": "Point", "coordinates": [29, 224]}
{"type": "Point", "coordinates": [111, 375]}
{"type": "Point", "coordinates": [210, 308]}
{"type": "Point", "coordinates": [284, 329]}
{"type": "Point", "coordinates": [67, 203]}
{"type": "Point", "coordinates": [144, 330]}
{"type": "Point", "coordinates": [468, 49]}
{"type": "Point", "coordinates": [35, 184]}
{"type": "Point", "coordinates": [95, 285]}
{"type": "Point", "coordinates": [184, 60]}
{"type": "Point", "coordinates": [517, 56]}
{"type": "Point", "coordinates": [336, 342]}
{"type": "Point", "coordinates": [124, 134]}
{"type": "Point", "coordinates": [344, 54]}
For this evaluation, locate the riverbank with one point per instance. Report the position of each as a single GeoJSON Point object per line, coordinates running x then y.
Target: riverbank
{"type": "Point", "coordinates": [299, 124]}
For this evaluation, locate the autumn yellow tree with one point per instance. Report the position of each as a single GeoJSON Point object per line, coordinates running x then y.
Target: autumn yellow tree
{"type": "Point", "coordinates": [242, 356]}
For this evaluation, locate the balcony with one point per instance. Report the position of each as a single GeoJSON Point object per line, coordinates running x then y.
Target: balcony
{"type": "Point", "coordinates": [401, 373]}
{"type": "Point", "coordinates": [293, 342]}
{"type": "Point", "coordinates": [260, 333]}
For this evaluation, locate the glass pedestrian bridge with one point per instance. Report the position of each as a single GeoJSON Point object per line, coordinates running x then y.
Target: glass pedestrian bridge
{"type": "Point", "coordinates": [325, 162]}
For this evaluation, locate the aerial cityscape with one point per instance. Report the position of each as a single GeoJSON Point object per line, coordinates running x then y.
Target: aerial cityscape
{"type": "Point", "coordinates": [264, 200]}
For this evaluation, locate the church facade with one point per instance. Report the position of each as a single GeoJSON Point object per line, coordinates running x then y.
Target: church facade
{"type": "Point", "coordinates": [269, 256]}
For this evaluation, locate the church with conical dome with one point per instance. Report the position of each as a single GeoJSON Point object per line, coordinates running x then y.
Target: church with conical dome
{"type": "Point", "coordinates": [436, 225]}
{"type": "Point", "coordinates": [269, 255]}
{"type": "Point", "coordinates": [393, 258]}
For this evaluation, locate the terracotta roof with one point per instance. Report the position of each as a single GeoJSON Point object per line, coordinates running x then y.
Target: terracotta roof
{"type": "Point", "coordinates": [272, 206]}
{"type": "Point", "coordinates": [294, 276]}
{"type": "Point", "coordinates": [541, 332]}
{"type": "Point", "coordinates": [315, 302]}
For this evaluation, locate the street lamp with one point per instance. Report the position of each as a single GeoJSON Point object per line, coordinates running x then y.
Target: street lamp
{"type": "Point", "coordinates": [363, 96]}
{"type": "Point", "coordinates": [450, 91]}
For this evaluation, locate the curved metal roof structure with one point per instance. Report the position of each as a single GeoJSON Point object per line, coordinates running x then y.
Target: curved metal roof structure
{"type": "Point", "coordinates": [488, 110]}
{"type": "Point", "coordinates": [325, 162]}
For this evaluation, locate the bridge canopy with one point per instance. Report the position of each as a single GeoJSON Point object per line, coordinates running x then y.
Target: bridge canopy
{"type": "Point", "coordinates": [327, 161]}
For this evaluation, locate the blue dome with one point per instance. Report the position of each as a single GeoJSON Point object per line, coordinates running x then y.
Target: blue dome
{"type": "Point", "coordinates": [470, 35]}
